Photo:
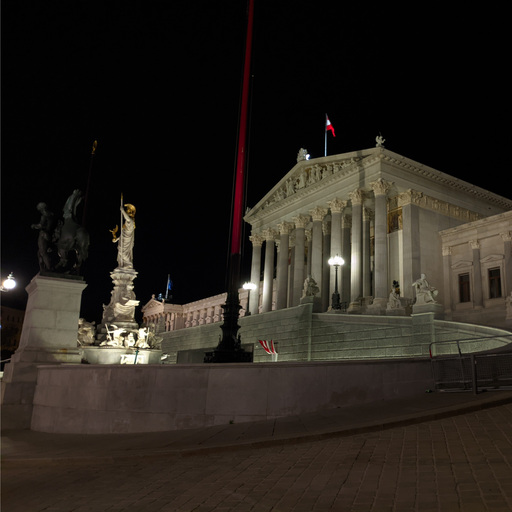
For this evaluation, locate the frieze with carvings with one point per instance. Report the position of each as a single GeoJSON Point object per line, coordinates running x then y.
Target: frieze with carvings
{"type": "Point", "coordinates": [310, 176]}
{"type": "Point", "coordinates": [431, 203]}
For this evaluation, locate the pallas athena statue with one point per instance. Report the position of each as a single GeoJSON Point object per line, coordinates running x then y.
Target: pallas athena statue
{"type": "Point", "coordinates": [126, 238]}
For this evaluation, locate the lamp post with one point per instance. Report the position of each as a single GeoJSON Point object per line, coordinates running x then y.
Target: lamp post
{"type": "Point", "coordinates": [249, 287]}
{"type": "Point", "coordinates": [336, 261]}
{"type": "Point", "coordinates": [8, 284]}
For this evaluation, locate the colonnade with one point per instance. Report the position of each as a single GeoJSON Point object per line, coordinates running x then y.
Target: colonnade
{"type": "Point", "coordinates": [305, 244]}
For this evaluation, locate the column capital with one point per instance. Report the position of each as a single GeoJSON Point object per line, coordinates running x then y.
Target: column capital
{"type": "Point", "coordinates": [269, 234]}
{"type": "Point", "coordinates": [337, 205]}
{"type": "Point", "coordinates": [409, 197]}
{"type": "Point", "coordinates": [368, 214]}
{"type": "Point", "coordinates": [381, 187]}
{"type": "Point", "coordinates": [357, 196]}
{"type": "Point", "coordinates": [318, 213]}
{"type": "Point", "coordinates": [506, 237]}
{"type": "Point", "coordinates": [474, 244]}
{"type": "Point", "coordinates": [447, 251]}
{"type": "Point", "coordinates": [256, 239]}
{"type": "Point", "coordinates": [301, 221]}
{"type": "Point", "coordinates": [285, 228]}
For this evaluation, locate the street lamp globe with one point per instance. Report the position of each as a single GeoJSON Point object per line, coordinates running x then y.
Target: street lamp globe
{"type": "Point", "coordinates": [335, 261]}
{"type": "Point", "coordinates": [9, 283]}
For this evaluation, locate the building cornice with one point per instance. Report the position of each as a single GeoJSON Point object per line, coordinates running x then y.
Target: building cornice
{"type": "Point", "coordinates": [308, 177]}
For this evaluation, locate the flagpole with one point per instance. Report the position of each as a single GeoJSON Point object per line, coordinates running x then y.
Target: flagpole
{"type": "Point", "coordinates": [167, 289]}
{"type": "Point", "coordinates": [229, 349]}
{"type": "Point", "coordinates": [86, 201]}
{"type": "Point", "coordinates": [325, 136]}
{"type": "Point", "coordinates": [121, 231]}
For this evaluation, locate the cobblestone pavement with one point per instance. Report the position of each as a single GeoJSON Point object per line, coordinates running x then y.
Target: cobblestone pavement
{"type": "Point", "coordinates": [462, 463]}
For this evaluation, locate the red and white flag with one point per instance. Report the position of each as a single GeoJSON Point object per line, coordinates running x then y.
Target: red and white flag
{"type": "Point", "coordinates": [329, 126]}
{"type": "Point", "coordinates": [268, 346]}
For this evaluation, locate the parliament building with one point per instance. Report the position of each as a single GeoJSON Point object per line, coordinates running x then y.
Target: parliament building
{"type": "Point", "coordinates": [394, 222]}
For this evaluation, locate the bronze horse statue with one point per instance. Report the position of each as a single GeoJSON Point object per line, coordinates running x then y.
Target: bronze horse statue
{"type": "Point", "coordinates": [72, 239]}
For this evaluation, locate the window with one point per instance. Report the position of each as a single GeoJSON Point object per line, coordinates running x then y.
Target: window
{"type": "Point", "coordinates": [494, 283]}
{"type": "Point", "coordinates": [464, 295]}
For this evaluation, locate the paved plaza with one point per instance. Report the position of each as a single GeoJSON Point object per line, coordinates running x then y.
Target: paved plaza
{"type": "Point", "coordinates": [452, 454]}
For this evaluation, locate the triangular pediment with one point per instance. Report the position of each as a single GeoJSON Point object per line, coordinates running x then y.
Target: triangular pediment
{"type": "Point", "coordinates": [308, 175]}
{"type": "Point", "coordinates": [152, 304]}
{"type": "Point", "coordinates": [311, 183]}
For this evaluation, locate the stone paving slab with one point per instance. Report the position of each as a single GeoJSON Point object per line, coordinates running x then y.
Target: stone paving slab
{"type": "Point", "coordinates": [458, 462]}
{"type": "Point", "coordinates": [26, 446]}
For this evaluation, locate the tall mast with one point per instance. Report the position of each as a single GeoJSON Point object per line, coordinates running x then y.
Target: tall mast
{"type": "Point", "coordinates": [229, 348]}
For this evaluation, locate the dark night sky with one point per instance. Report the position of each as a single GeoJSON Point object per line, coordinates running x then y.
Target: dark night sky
{"type": "Point", "coordinates": [157, 83]}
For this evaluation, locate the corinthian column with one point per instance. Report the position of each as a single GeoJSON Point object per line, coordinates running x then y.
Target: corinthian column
{"type": "Point", "coordinates": [346, 222]}
{"type": "Point", "coordinates": [382, 285]}
{"type": "Point", "coordinates": [326, 268]}
{"type": "Point", "coordinates": [317, 214]}
{"type": "Point", "coordinates": [282, 264]}
{"type": "Point", "coordinates": [301, 221]}
{"type": "Point", "coordinates": [268, 272]}
{"type": "Point", "coordinates": [356, 281]}
{"type": "Point", "coordinates": [254, 295]}
{"type": "Point", "coordinates": [367, 271]}
{"type": "Point", "coordinates": [336, 206]}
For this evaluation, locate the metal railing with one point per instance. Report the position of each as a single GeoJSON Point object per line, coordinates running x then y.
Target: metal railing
{"type": "Point", "coordinates": [471, 371]}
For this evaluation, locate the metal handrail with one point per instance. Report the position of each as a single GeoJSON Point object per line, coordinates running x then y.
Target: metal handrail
{"type": "Point", "coordinates": [468, 340]}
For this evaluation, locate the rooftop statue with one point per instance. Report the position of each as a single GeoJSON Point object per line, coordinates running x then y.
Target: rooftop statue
{"type": "Point", "coordinates": [302, 155]}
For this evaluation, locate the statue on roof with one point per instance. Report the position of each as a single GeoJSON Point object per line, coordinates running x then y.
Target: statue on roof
{"type": "Point", "coordinates": [302, 155]}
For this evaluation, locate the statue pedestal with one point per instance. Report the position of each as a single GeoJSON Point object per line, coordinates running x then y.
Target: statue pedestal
{"type": "Point", "coordinates": [121, 309]}
{"type": "Point", "coordinates": [395, 312]}
{"type": "Point", "coordinates": [437, 309]}
{"type": "Point", "coordinates": [377, 307]}
{"type": "Point", "coordinates": [49, 336]}
{"type": "Point", "coordinates": [316, 301]}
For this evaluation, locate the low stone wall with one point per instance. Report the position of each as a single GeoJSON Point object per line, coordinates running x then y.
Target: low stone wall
{"type": "Point", "coordinates": [94, 399]}
{"type": "Point", "coordinates": [302, 335]}
{"type": "Point", "coordinates": [115, 355]}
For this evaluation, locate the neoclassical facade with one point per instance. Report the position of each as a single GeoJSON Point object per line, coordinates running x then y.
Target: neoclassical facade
{"type": "Point", "coordinates": [391, 219]}
{"type": "Point", "coordinates": [380, 211]}
{"type": "Point", "coordinates": [477, 267]}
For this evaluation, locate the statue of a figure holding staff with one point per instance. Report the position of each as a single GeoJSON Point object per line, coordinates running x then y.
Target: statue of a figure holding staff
{"type": "Point", "coordinates": [125, 240]}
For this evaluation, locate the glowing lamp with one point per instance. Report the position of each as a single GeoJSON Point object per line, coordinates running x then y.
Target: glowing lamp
{"type": "Point", "coordinates": [9, 283]}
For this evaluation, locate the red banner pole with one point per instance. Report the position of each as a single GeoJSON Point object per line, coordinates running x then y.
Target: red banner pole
{"type": "Point", "coordinates": [236, 235]}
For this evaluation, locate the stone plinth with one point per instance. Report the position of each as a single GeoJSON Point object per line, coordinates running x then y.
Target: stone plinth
{"type": "Point", "coordinates": [121, 309]}
{"type": "Point", "coordinates": [316, 301]}
{"type": "Point", "coordinates": [395, 312]}
{"type": "Point", "coordinates": [437, 309]}
{"type": "Point", "coordinates": [49, 336]}
{"type": "Point", "coordinates": [114, 355]}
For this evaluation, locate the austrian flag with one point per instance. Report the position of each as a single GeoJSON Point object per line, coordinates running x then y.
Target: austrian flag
{"type": "Point", "coordinates": [329, 126]}
{"type": "Point", "coordinates": [268, 346]}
